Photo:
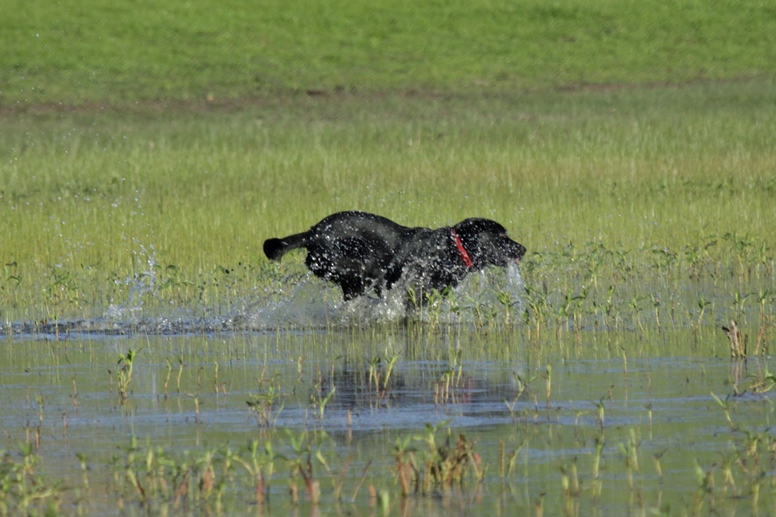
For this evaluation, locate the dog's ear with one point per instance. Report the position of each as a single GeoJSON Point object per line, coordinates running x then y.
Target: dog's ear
{"type": "Point", "coordinates": [471, 228]}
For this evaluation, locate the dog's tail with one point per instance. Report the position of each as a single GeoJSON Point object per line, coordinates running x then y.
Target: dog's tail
{"type": "Point", "coordinates": [274, 249]}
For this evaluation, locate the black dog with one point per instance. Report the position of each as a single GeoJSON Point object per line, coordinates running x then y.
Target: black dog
{"type": "Point", "coordinates": [365, 253]}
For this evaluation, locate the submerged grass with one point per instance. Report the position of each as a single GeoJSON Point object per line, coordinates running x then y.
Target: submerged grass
{"type": "Point", "coordinates": [568, 439]}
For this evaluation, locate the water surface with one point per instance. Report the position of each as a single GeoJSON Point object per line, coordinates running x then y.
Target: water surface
{"type": "Point", "coordinates": [585, 421]}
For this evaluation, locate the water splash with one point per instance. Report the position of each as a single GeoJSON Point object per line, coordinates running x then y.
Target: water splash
{"type": "Point", "coordinates": [515, 286]}
{"type": "Point", "coordinates": [307, 303]}
{"type": "Point", "coordinates": [140, 285]}
{"type": "Point", "coordinates": [494, 295]}
{"type": "Point", "coordinates": [310, 304]}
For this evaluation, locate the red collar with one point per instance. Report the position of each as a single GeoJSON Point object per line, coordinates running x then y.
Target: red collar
{"type": "Point", "coordinates": [467, 261]}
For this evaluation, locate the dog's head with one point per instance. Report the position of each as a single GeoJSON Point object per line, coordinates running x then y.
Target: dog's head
{"type": "Point", "coordinates": [487, 243]}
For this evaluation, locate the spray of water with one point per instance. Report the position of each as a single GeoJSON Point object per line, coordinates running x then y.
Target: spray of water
{"type": "Point", "coordinates": [494, 295]}
{"type": "Point", "coordinates": [140, 285]}
{"type": "Point", "coordinates": [311, 303]}
{"type": "Point", "coordinates": [515, 286]}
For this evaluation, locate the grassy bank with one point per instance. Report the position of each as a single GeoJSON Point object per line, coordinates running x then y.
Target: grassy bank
{"type": "Point", "coordinates": [128, 51]}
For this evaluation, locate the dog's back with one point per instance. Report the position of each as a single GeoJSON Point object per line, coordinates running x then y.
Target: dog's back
{"type": "Point", "coordinates": [342, 226]}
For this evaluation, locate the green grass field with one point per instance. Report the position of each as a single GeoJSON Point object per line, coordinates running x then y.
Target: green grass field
{"type": "Point", "coordinates": [95, 52]}
{"type": "Point", "coordinates": [197, 131]}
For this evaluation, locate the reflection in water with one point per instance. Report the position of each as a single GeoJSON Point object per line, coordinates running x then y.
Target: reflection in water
{"type": "Point", "coordinates": [359, 388]}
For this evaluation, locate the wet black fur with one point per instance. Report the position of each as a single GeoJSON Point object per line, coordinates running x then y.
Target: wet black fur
{"type": "Point", "coordinates": [365, 253]}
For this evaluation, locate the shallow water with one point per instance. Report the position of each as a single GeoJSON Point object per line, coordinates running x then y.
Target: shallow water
{"type": "Point", "coordinates": [598, 422]}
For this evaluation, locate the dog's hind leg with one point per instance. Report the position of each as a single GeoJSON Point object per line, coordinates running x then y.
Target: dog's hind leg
{"type": "Point", "coordinates": [274, 249]}
{"type": "Point", "coordinates": [352, 288]}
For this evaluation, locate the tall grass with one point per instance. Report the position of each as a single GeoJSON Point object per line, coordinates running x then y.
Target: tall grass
{"type": "Point", "coordinates": [87, 194]}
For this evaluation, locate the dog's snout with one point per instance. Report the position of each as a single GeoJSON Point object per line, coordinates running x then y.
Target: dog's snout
{"type": "Point", "coordinates": [514, 250]}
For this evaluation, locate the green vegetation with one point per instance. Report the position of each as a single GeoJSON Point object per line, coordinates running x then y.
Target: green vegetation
{"type": "Point", "coordinates": [128, 51]}
{"type": "Point", "coordinates": [147, 150]}
{"type": "Point", "coordinates": [146, 145]}
{"type": "Point", "coordinates": [93, 205]}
